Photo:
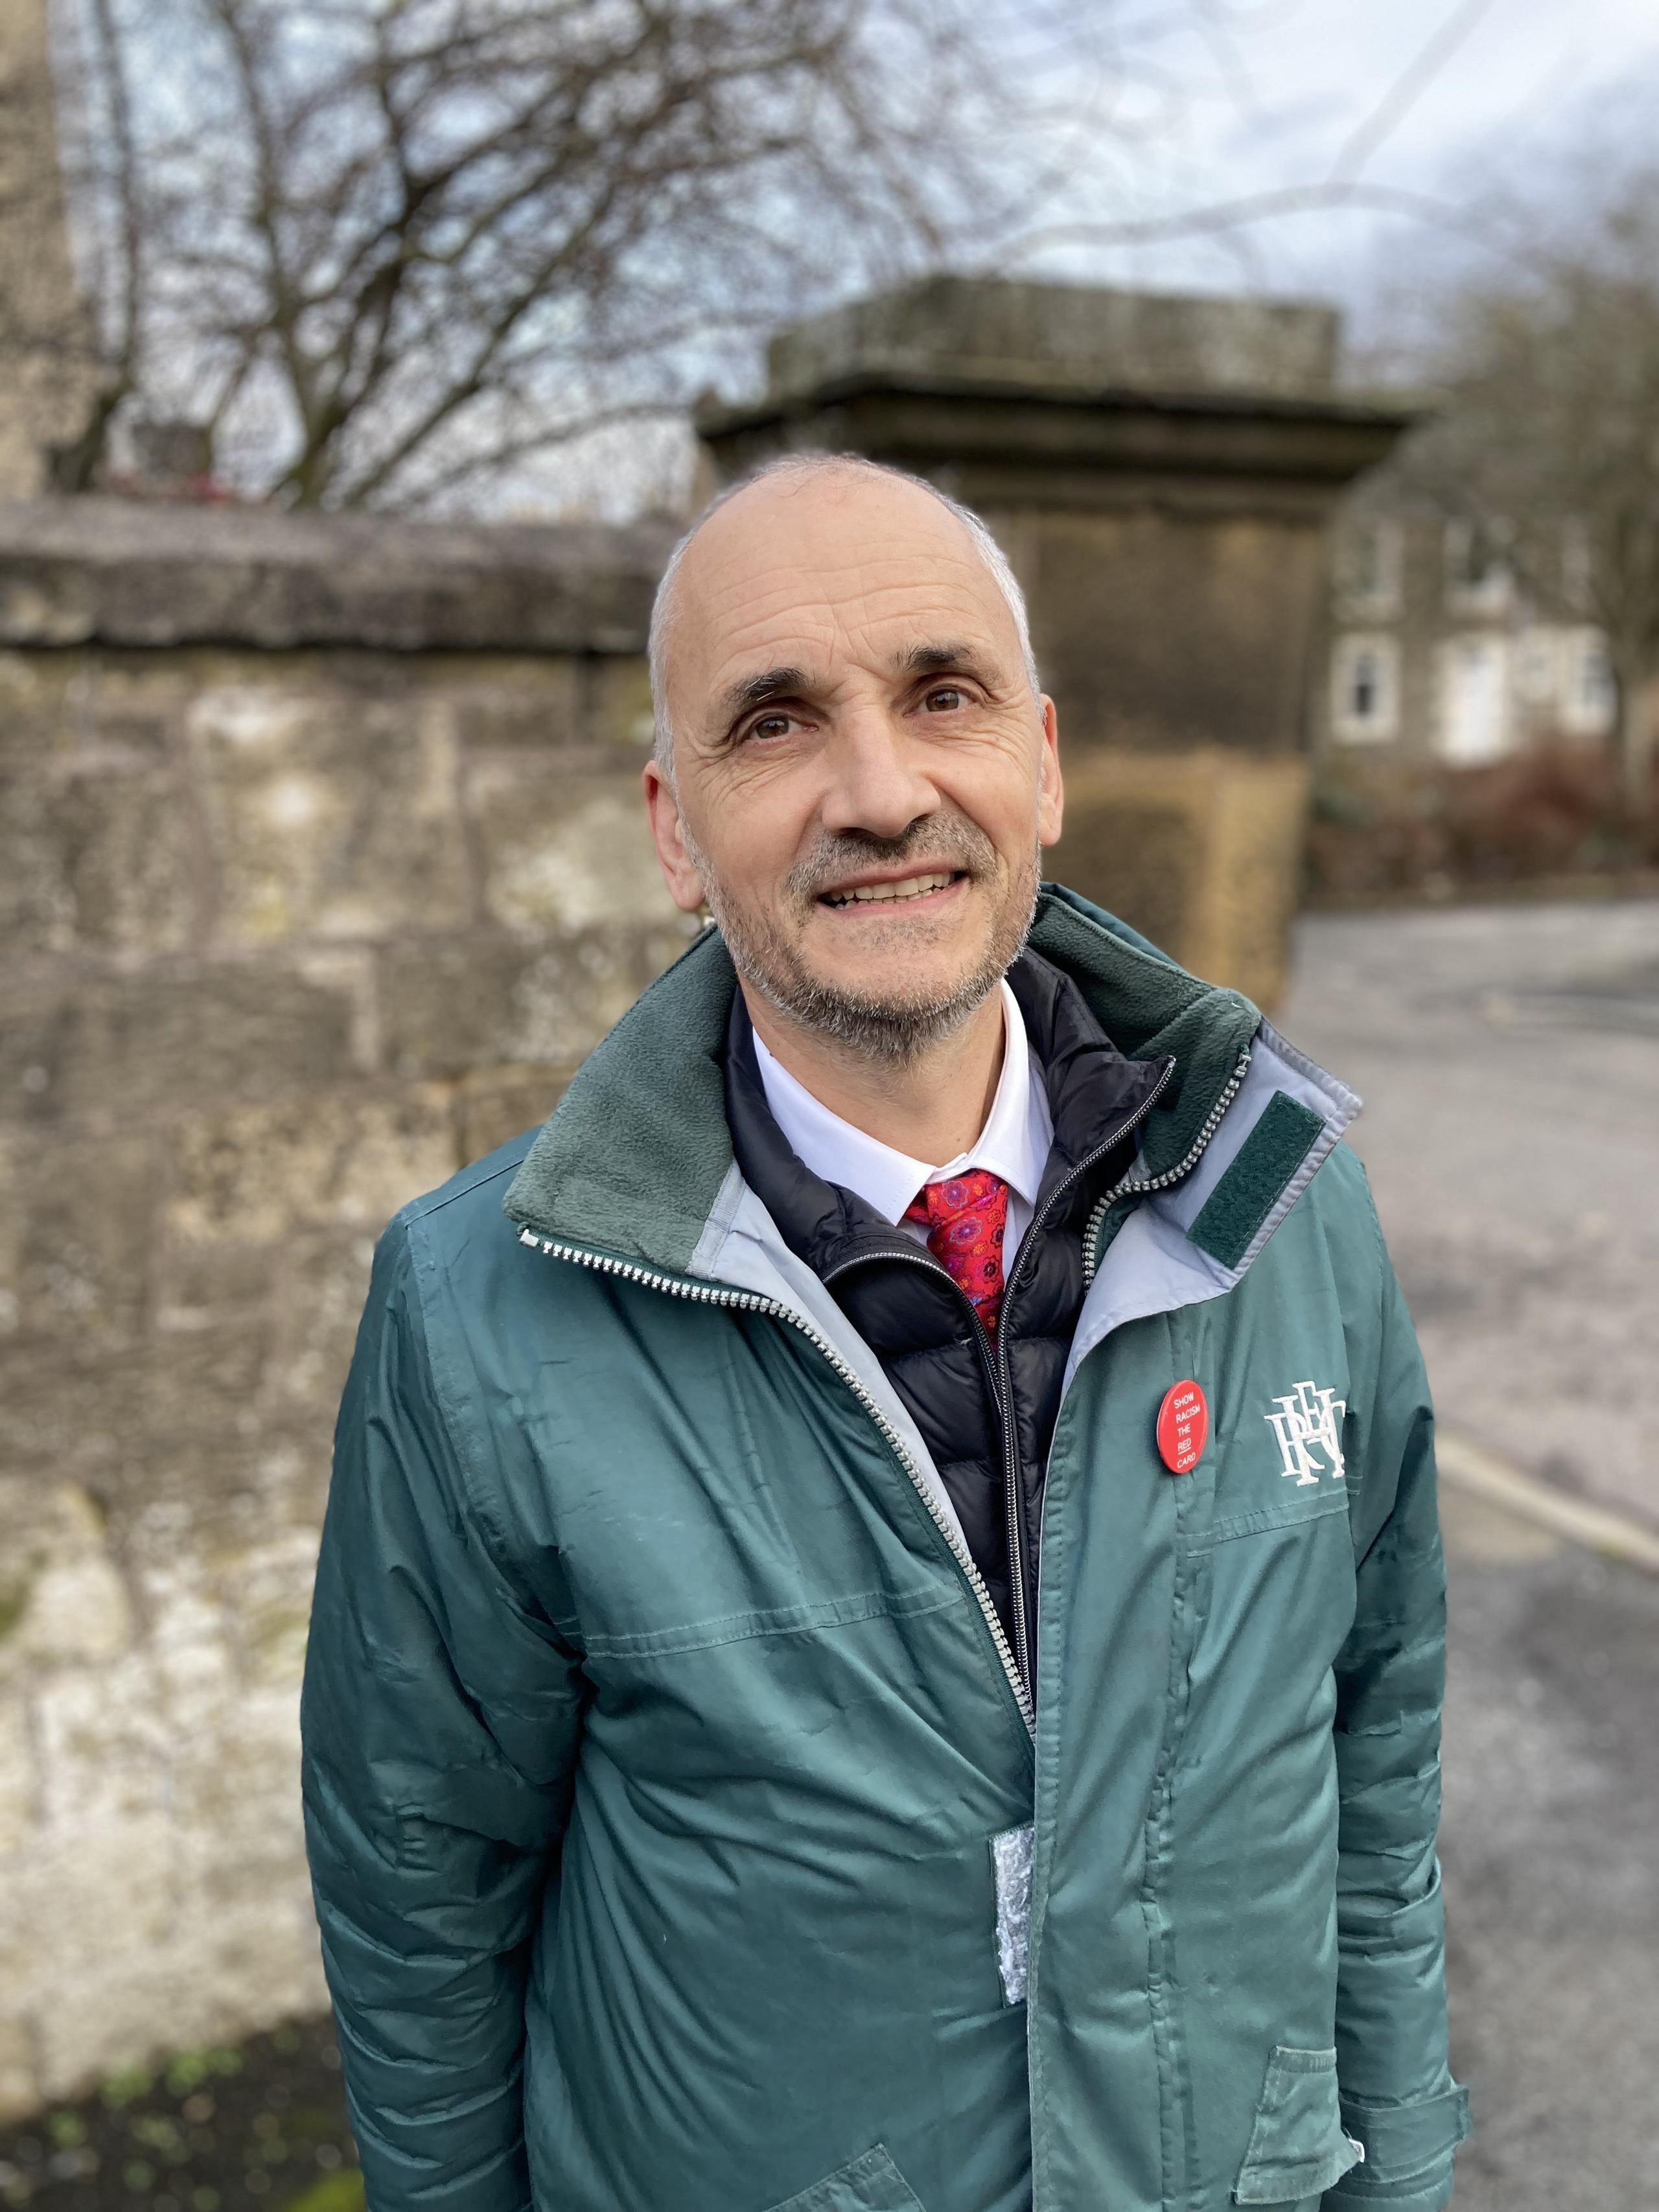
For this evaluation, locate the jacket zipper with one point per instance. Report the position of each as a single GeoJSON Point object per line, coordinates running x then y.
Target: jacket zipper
{"type": "Point", "coordinates": [752, 1301]}
{"type": "Point", "coordinates": [995, 1357]}
{"type": "Point", "coordinates": [1182, 1167]}
{"type": "Point", "coordinates": [1014, 1498]}
{"type": "Point", "coordinates": [1016, 1662]}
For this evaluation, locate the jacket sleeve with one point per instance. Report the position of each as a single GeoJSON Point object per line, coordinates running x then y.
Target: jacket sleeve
{"type": "Point", "coordinates": [441, 1716]}
{"type": "Point", "coordinates": [1399, 2100]}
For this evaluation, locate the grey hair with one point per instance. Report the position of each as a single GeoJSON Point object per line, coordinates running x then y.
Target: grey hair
{"type": "Point", "coordinates": [800, 467]}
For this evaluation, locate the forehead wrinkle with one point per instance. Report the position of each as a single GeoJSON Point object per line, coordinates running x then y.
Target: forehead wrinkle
{"type": "Point", "coordinates": [773, 626]}
{"type": "Point", "coordinates": [816, 603]}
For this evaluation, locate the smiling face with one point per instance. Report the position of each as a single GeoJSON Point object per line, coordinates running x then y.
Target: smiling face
{"type": "Point", "coordinates": [863, 776]}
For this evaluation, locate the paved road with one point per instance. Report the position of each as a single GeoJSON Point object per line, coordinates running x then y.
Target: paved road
{"type": "Point", "coordinates": [1508, 1059]}
{"type": "Point", "coordinates": [1509, 1062]}
{"type": "Point", "coordinates": [1552, 1870]}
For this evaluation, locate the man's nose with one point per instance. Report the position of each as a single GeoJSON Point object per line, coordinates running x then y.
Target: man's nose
{"type": "Point", "coordinates": [878, 782]}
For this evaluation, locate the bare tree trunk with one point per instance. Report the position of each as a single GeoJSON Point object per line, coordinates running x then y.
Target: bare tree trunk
{"type": "Point", "coordinates": [1637, 734]}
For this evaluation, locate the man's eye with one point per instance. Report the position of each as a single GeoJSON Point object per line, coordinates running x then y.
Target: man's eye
{"type": "Point", "coordinates": [770, 725]}
{"type": "Point", "coordinates": [945, 699]}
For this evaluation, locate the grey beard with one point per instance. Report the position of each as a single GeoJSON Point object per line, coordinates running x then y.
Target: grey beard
{"type": "Point", "coordinates": [894, 1030]}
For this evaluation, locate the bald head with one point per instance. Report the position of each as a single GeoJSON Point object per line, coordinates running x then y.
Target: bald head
{"type": "Point", "coordinates": [862, 767]}
{"type": "Point", "coordinates": [779, 499]}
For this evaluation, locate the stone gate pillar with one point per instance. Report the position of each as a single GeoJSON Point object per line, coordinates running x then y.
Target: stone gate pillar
{"type": "Point", "coordinates": [1160, 471]}
{"type": "Point", "coordinates": [45, 369]}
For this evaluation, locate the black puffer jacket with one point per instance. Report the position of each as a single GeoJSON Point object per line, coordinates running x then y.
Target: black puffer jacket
{"type": "Point", "coordinates": [986, 1410]}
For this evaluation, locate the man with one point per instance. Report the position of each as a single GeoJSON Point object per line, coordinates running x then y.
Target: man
{"type": "Point", "coordinates": [878, 1640]}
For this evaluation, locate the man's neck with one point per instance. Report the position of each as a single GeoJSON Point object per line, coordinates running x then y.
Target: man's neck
{"type": "Point", "coordinates": [931, 1107]}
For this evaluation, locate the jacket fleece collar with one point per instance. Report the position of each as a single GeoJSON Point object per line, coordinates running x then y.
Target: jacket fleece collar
{"type": "Point", "coordinates": [633, 1158]}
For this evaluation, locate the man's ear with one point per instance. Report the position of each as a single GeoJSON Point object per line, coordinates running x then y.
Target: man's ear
{"type": "Point", "coordinates": [1051, 791]}
{"type": "Point", "coordinates": [679, 871]}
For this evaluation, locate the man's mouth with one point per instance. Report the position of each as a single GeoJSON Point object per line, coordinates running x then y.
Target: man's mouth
{"type": "Point", "coordinates": [887, 894]}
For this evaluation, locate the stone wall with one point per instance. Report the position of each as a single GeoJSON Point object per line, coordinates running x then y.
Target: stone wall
{"type": "Point", "coordinates": [291, 928]}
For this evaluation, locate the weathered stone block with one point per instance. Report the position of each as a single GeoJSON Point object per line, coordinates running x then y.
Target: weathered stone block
{"type": "Point", "coordinates": [169, 1437]}
{"type": "Point", "coordinates": [1200, 852]}
{"type": "Point", "coordinates": [19, 1789]}
{"type": "Point", "coordinates": [214, 1495]}
{"type": "Point", "coordinates": [104, 1744]}
{"type": "Point", "coordinates": [445, 1005]}
{"type": "Point", "coordinates": [34, 718]}
{"type": "Point", "coordinates": [128, 574]}
{"type": "Point", "coordinates": [62, 1603]}
{"type": "Point", "coordinates": [196, 1285]}
{"type": "Point", "coordinates": [481, 1000]}
{"type": "Point", "coordinates": [1009, 333]}
{"type": "Point", "coordinates": [563, 852]}
{"type": "Point", "coordinates": [132, 706]}
{"type": "Point", "coordinates": [271, 1589]}
{"type": "Point", "coordinates": [574, 991]}
{"type": "Point", "coordinates": [96, 856]}
{"type": "Point", "coordinates": [324, 1282]}
{"type": "Point", "coordinates": [256, 1174]}
{"type": "Point", "coordinates": [496, 1105]}
{"type": "Point", "coordinates": [19, 2090]}
{"type": "Point", "coordinates": [116, 1045]}
{"type": "Point", "coordinates": [529, 702]}
{"type": "Point", "coordinates": [331, 815]}
{"type": "Point", "coordinates": [220, 1976]}
{"type": "Point", "coordinates": [619, 709]}
{"type": "Point", "coordinates": [77, 1231]}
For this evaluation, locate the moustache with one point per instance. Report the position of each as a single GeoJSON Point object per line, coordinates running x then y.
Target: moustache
{"type": "Point", "coordinates": [926, 848]}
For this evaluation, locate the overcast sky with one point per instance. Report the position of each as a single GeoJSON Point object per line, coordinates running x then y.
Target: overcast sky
{"type": "Point", "coordinates": [1266, 94]}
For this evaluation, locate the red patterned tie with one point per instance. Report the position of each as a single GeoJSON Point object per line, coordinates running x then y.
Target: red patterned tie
{"type": "Point", "coordinates": [965, 1218]}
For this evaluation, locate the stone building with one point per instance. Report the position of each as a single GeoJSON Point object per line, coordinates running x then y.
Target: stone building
{"type": "Point", "coordinates": [1434, 654]}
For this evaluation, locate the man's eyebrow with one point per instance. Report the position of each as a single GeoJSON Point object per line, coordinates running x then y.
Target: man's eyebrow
{"type": "Point", "coordinates": [937, 659]}
{"type": "Point", "coordinates": [784, 682]}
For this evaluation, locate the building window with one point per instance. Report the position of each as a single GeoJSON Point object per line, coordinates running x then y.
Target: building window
{"type": "Point", "coordinates": [1477, 719]}
{"type": "Point", "coordinates": [1364, 690]}
{"type": "Point", "coordinates": [1477, 573]}
{"type": "Point", "coordinates": [1563, 680]}
{"type": "Point", "coordinates": [1367, 568]}
{"type": "Point", "coordinates": [1589, 695]}
{"type": "Point", "coordinates": [1538, 669]}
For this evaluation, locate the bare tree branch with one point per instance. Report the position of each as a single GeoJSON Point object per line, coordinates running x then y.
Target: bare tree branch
{"type": "Point", "coordinates": [1550, 435]}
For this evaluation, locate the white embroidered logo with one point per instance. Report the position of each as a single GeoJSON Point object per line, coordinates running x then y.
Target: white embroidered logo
{"type": "Point", "coordinates": [1308, 1421]}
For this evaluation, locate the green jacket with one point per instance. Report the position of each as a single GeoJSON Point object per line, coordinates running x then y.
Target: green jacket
{"type": "Point", "coordinates": [681, 1838]}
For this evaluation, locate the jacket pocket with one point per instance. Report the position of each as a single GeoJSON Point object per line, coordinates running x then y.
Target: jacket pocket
{"type": "Point", "coordinates": [1407, 2146]}
{"type": "Point", "coordinates": [870, 2183]}
{"type": "Point", "coordinates": [1299, 2146]}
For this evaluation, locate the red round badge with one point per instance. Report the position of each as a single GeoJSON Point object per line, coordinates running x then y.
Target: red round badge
{"type": "Point", "coordinates": [1183, 1426]}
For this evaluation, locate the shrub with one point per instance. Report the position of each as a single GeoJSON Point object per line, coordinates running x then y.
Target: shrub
{"type": "Point", "coordinates": [1380, 829]}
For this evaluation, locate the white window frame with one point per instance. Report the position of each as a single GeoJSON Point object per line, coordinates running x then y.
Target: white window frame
{"type": "Point", "coordinates": [1381, 724]}
{"type": "Point", "coordinates": [1587, 710]}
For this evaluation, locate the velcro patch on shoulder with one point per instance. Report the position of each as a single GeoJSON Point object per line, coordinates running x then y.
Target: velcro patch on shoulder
{"type": "Point", "coordinates": [1234, 1212]}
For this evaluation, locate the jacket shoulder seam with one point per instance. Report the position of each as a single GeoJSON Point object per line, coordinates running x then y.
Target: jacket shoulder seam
{"type": "Point", "coordinates": [433, 1201]}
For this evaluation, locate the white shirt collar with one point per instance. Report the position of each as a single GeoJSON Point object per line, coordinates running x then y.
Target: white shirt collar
{"type": "Point", "coordinates": [1013, 1144]}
